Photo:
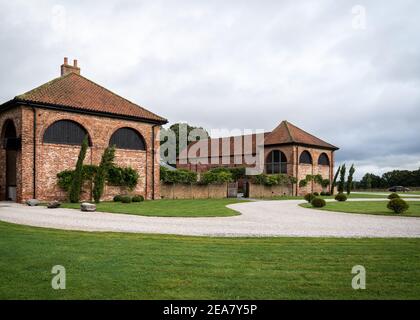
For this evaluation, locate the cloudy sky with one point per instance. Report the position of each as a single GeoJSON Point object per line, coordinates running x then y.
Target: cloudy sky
{"type": "Point", "coordinates": [346, 71]}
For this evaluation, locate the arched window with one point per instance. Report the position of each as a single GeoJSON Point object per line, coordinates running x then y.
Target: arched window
{"type": "Point", "coordinates": [305, 157]}
{"type": "Point", "coordinates": [323, 160]}
{"type": "Point", "coordinates": [65, 132]}
{"type": "Point", "coordinates": [127, 138]}
{"type": "Point", "coordinates": [276, 162]}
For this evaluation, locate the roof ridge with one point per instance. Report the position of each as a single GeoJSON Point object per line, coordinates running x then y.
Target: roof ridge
{"type": "Point", "coordinates": [36, 89]}
{"type": "Point", "coordinates": [288, 130]}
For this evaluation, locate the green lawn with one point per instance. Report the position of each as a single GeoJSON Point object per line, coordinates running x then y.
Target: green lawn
{"type": "Point", "coordinates": [136, 266]}
{"type": "Point", "coordinates": [368, 207]}
{"type": "Point", "coordinates": [168, 208]}
{"type": "Point", "coordinates": [410, 192]}
{"type": "Point", "coordinates": [351, 196]}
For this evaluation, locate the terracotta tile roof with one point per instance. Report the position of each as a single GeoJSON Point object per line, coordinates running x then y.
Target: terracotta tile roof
{"type": "Point", "coordinates": [76, 92]}
{"type": "Point", "coordinates": [284, 133]}
{"type": "Point", "coordinates": [287, 133]}
{"type": "Point", "coordinates": [220, 142]}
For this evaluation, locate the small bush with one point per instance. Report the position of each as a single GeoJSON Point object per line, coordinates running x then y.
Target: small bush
{"type": "Point", "coordinates": [309, 197]}
{"type": "Point", "coordinates": [323, 193]}
{"type": "Point", "coordinates": [138, 198]}
{"type": "Point", "coordinates": [316, 194]}
{"type": "Point", "coordinates": [318, 203]}
{"type": "Point", "coordinates": [327, 194]}
{"type": "Point", "coordinates": [393, 196]}
{"type": "Point", "coordinates": [118, 198]}
{"type": "Point", "coordinates": [126, 199]}
{"type": "Point", "coordinates": [341, 197]}
{"type": "Point", "coordinates": [398, 205]}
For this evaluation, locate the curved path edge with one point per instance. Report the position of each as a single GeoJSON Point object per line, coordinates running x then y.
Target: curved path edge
{"type": "Point", "coordinates": [258, 219]}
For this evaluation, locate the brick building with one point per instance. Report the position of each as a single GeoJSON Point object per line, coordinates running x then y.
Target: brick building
{"type": "Point", "coordinates": [287, 149]}
{"type": "Point", "coordinates": [41, 132]}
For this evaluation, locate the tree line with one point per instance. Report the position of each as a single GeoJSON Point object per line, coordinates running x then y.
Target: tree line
{"type": "Point", "coordinates": [389, 179]}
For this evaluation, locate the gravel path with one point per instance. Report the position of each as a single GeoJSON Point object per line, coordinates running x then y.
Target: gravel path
{"type": "Point", "coordinates": [261, 218]}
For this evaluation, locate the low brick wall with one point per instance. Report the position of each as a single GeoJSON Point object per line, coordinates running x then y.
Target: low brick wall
{"type": "Point", "coordinates": [262, 191]}
{"type": "Point", "coordinates": [193, 191]}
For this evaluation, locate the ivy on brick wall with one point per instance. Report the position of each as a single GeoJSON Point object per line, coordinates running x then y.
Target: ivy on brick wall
{"type": "Point", "coordinates": [273, 179]}
{"type": "Point", "coordinates": [117, 176]}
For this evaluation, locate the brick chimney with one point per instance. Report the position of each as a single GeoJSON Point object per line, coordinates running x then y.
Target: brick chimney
{"type": "Point", "coordinates": [66, 68]}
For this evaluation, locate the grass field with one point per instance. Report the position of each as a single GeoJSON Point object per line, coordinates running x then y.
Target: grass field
{"type": "Point", "coordinates": [368, 207]}
{"type": "Point", "coordinates": [351, 196]}
{"type": "Point", "coordinates": [168, 208]}
{"type": "Point", "coordinates": [135, 266]}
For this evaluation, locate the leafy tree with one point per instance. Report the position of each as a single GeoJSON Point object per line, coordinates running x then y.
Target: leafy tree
{"type": "Point", "coordinates": [334, 182]}
{"type": "Point", "coordinates": [102, 174]}
{"type": "Point", "coordinates": [342, 182]}
{"type": "Point", "coordinates": [176, 129]}
{"type": "Point", "coordinates": [77, 176]}
{"type": "Point", "coordinates": [368, 182]}
{"type": "Point", "coordinates": [350, 179]}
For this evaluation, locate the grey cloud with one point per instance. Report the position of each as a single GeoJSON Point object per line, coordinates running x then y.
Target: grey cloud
{"type": "Point", "coordinates": [238, 64]}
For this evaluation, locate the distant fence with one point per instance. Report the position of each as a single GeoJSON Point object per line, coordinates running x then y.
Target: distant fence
{"type": "Point", "coordinates": [193, 191]}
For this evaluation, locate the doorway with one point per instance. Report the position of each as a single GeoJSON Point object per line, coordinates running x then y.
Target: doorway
{"type": "Point", "coordinates": [11, 144]}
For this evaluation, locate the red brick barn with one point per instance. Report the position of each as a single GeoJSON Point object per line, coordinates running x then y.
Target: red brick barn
{"type": "Point", "coordinates": [41, 132]}
{"type": "Point", "coordinates": [287, 149]}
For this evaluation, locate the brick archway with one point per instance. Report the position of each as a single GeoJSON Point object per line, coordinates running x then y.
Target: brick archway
{"type": "Point", "coordinates": [10, 143]}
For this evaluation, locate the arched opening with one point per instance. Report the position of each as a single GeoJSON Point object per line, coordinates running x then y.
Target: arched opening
{"type": "Point", "coordinates": [323, 159]}
{"type": "Point", "coordinates": [305, 158]}
{"type": "Point", "coordinates": [127, 138]}
{"type": "Point", "coordinates": [276, 162]}
{"type": "Point", "coordinates": [11, 145]}
{"type": "Point", "coordinates": [65, 132]}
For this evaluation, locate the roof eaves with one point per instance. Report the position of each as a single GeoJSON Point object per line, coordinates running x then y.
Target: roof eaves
{"type": "Point", "coordinates": [89, 112]}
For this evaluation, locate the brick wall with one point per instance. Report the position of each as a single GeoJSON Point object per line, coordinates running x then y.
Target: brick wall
{"type": "Point", "coordinates": [51, 158]}
{"type": "Point", "coordinates": [193, 191]}
{"type": "Point", "coordinates": [292, 153]}
{"type": "Point", "coordinates": [304, 169]}
{"type": "Point", "coordinates": [262, 191]}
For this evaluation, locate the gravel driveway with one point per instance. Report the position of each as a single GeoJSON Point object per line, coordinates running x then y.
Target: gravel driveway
{"type": "Point", "coordinates": [260, 218]}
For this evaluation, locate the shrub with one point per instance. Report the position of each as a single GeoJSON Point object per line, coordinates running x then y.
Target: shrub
{"type": "Point", "coordinates": [318, 203]}
{"type": "Point", "coordinates": [259, 178]}
{"type": "Point", "coordinates": [126, 177]}
{"type": "Point", "coordinates": [77, 175]}
{"type": "Point", "coordinates": [236, 172]}
{"type": "Point", "coordinates": [393, 196]}
{"type": "Point", "coordinates": [271, 180]}
{"type": "Point", "coordinates": [323, 193]}
{"type": "Point", "coordinates": [177, 176]}
{"type": "Point", "coordinates": [309, 197]}
{"type": "Point", "coordinates": [341, 197]}
{"type": "Point", "coordinates": [303, 183]}
{"type": "Point", "coordinates": [126, 199]}
{"type": "Point", "coordinates": [327, 194]}
{"type": "Point", "coordinates": [118, 198]}
{"type": "Point", "coordinates": [398, 205]}
{"type": "Point", "coordinates": [102, 173]}
{"type": "Point", "coordinates": [138, 198]}
{"type": "Point", "coordinates": [218, 176]}
{"type": "Point", "coordinates": [316, 194]}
